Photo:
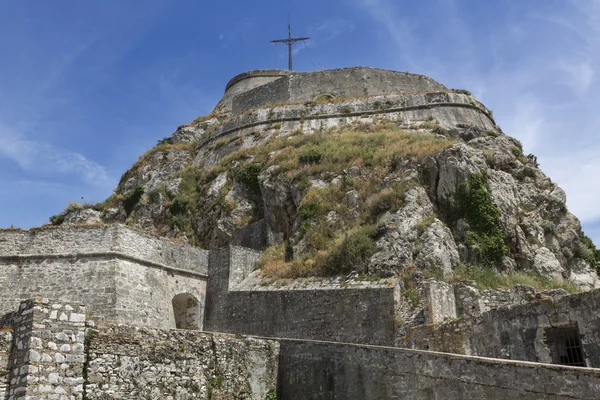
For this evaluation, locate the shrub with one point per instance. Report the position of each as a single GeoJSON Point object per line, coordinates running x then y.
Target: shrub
{"type": "Point", "coordinates": [310, 155]}
{"type": "Point", "coordinates": [346, 109]}
{"type": "Point", "coordinates": [527, 172]}
{"type": "Point", "coordinates": [132, 198]}
{"type": "Point", "coordinates": [587, 250]}
{"type": "Point", "coordinates": [248, 175]}
{"type": "Point", "coordinates": [57, 219]}
{"type": "Point", "coordinates": [352, 254]}
{"type": "Point", "coordinates": [484, 232]}
{"type": "Point", "coordinates": [517, 152]}
{"type": "Point", "coordinates": [389, 199]}
{"type": "Point", "coordinates": [311, 206]}
{"type": "Point", "coordinates": [462, 91]}
{"type": "Point", "coordinates": [548, 226]}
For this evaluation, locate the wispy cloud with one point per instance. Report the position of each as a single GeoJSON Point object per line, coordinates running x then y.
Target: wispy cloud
{"type": "Point", "coordinates": [40, 159]}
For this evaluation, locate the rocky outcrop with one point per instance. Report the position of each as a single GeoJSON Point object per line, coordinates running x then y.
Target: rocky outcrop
{"type": "Point", "coordinates": [466, 194]}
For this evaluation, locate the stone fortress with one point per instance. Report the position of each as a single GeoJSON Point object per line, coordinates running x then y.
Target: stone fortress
{"type": "Point", "coordinates": [105, 311]}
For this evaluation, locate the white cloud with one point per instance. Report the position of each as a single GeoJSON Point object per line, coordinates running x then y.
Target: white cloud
{"type": "Point", "coordinates": [43, 159]}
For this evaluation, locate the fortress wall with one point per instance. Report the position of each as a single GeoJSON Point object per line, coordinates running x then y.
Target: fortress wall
{"type": "Point", "coordinates": [357, 81]}
{"type": "Point", "coordinates": [519, 332]}
{"type": "Point", "coordinates": [347, 315]}
{"type": "Point", "coordinates": [124, 277]}
{"type": "Point", "coordinates": [247, 81]}
{"type": "Point", "coordinates": [116, 290]}
{"type": "Point", "coordinates": [129, 363]}
{"type": "Point", "coordinates": [409, 110]}
{"type": "Point", "coordinates": [144, 295]}
{"type": "Point", "coordinates": [88, 240]}
{"type": "Point", "coordinates": [320, 370]}
{"type": "Point", "coordinates": [91, 281]}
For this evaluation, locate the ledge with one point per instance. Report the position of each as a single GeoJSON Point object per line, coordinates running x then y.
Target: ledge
{"type": "Point", "coordinates": [339, 115]}
{"type": "Point", "coordinates": [109, 254]}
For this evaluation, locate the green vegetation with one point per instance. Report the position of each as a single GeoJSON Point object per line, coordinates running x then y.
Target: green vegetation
{"type": "Point", "coordinates": [248, 175]}
{"type": "Point", "coordinates": [131, 198]}
{"type": "Point", "coordinates": [488, 278]}
{"type": "Point", "coordinates": [484, 232]}
{"type": "Point", "coordinates": [344, 242]}
{"type": "Point", "coordinates": [271, 395]}
{"type": "Point", "coordinates": [352, 253]}
{"type": "Point", "coordinates": [462, 91]}
{"type": "Point", "coordinates": [588, 251]}
{"type": "Point", "coordinates": [214, 383]}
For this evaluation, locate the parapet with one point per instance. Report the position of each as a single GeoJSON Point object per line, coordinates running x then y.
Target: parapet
{"type": "Point", "coordinates": [261, 87]}
{"type": "Point", "coordinates": [100, 240]}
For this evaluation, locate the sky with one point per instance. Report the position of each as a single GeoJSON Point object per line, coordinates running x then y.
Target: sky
{"type": "Point", "coordinates": [87, 87]}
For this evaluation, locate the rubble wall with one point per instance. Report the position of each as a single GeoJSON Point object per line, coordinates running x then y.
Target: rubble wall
{"type": "Point", "coordinates": [518, 332]}
{"type": "Point", "coordinates": [141, 363]}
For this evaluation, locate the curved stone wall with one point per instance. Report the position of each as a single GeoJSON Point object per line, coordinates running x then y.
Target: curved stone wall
{"type": "Point", "coordinates": [447, 110]}
{"type": "Point", "coordinates": [246, 81]}
{"type": "Point", "coordinates": [258, 88]}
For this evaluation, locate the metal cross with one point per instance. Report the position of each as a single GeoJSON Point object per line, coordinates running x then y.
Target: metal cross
{"type": "Point", "coordinates": [289, 41]}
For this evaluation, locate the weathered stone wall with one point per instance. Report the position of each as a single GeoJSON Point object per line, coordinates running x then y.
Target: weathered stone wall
{"type": "Point", "coordinates": [140, 363]}
{"type": "Point", "coordinates": [6, 337]}
{"type": "Point", "coordinates": [455, 112]}
{"type": "Point", "coordinates": [518, 332]}
{"type": "Point", "coordinates": [318, 370]}
{"type": "Point", "coordinates": [122, 276]}
{"type": "Point", "coordinates": [246, 81]}
{"type": "Point", "coordinates": [304, 86]}
{"type": "Point", "coordinates": [56, 354]}
{"type": "Point", "coordinates": [47, 354]}
{"type": "Point", "coordinates": [324, 312]}
{"type": "Point", "coordinates": [100, 240]}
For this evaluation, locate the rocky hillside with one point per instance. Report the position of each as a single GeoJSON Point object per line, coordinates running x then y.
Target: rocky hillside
{"type": "Point", "coordinates": [377, 185]}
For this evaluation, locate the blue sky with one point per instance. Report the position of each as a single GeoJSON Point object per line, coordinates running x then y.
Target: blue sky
{"type": "Point", "coordinates": [87, 87]}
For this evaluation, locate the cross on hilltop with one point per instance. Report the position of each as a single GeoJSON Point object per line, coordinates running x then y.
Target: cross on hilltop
{"type": "Point", "coordinates": [289, 41]}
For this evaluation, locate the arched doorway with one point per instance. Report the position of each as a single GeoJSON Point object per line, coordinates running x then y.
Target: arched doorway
{"type": "Point", "coordinates": [187, 312]}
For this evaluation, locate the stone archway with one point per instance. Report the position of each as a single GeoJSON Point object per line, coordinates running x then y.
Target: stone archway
{"type": "Point", "coordinates": [187, 312]}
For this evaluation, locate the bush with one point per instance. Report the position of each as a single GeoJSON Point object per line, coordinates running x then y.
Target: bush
{"type": "Point", "coordinates": [484, 232]}
{"type": "Point", "coordinates": [352, 254]}
{"type": "Point", "coordinates": [587, 250]}
{"type": "Point", "coordinates": [462, 91]}
{"type": "Point", "coordinates": [57, 219]}
{"type": "Point", "coordinates": [389, 199]}
{"type": "Point", "coordinates": [310, 156]}
{"type": "Point", "coordinates": [248, 175]}
{"type": "Point", "coordinates": [132, 198]}
{"type": "Point", "coordinates": [548, 226]}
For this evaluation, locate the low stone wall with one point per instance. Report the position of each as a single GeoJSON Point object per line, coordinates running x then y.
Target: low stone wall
{"type": "Point", "coordinates": [56, 354]}
{"type": "Point", "coordinates": [335, 312]}
{"type": "Point", "coordinates": [130, 363]}
{"type": "Point", "coordinates": [120, 274]}
{"type": "Point", "coordinates": [319, 370]}
{"type": "Point", "coordinates": [519, 332]}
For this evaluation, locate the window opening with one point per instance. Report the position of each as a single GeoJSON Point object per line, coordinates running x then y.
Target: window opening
{"type": "Point", "coordinates": [565, 345]}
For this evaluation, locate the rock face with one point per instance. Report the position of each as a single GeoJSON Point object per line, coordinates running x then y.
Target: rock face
{"type": "Point", "coordinates": [409, 176]}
